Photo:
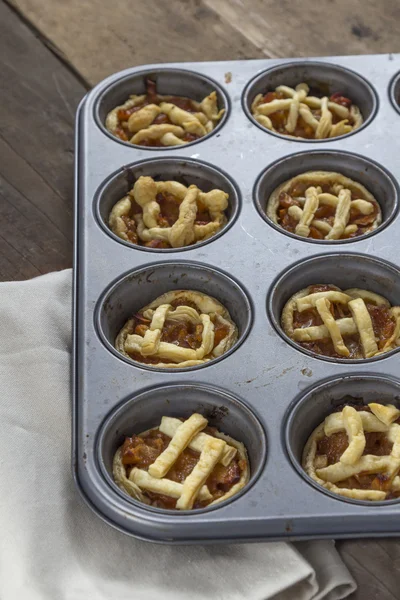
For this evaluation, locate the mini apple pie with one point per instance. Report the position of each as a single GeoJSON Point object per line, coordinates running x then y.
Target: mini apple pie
{"type": "Point", "coordinates": [167, 214]}
{"type": "Point", "coordinates": [352, 324]}
{"type": "Point", "coordinates": [181, 328]}
{"type": "Point", "coordinates": [355, 452]}
{"type": "Point", "coordinates": [152, 119]}
{"type": "Point", "coordinates": [182, 464]}
{"type": "Point", "coordinates": [294, 112]}
{"type": "Point", "coordinates": [323, 205]}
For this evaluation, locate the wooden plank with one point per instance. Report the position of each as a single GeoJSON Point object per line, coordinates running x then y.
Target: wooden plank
{"type": "Point", "coordinates": [310, 28]}
{"type": "Point", "coordinates": [38, 98]}
{"type": "Point", "coordinates": [375, 565]}
{"type": "Point", "coordinates": [100, 37]}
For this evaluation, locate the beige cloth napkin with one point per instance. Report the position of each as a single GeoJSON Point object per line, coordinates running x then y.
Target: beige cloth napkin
{"type": "Point", "coordinates": [52, 546]}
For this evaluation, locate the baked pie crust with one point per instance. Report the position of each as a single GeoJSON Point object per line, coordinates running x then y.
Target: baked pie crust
{"type": "Point", "coordinates": [352, 324]}
{"type": "Point", "coordinates": [181, 328]}
{"type": "Point", "coordinates": [356, 452]}
{"type": "Point", "coordinates": [293, 112]}
{"type": "Point", "coordinates": [181, 465]}
{"type": "Point", "coordinates": [167, 214]}
{"type": "Point", "coordinates": [153, 119]}
{"type": "Point", "coordinates": [324, 205]}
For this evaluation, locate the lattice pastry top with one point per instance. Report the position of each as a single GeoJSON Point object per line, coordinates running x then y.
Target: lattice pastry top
{"type": "Point", "coordinates": [181, 328]}
{"type": "Point", "coordinates": [181, 464]}
{"type": "Point", "coordinates": [293, 112]}
{"type": "Point", "coordinates": [153, 119]}
{"type": "Point", "coordinates": [354, 323]}
{"type": "Point", "coordinates": [167, 214]}
{"type": "Point", "coordinates": [324, 205]}
{"type": "Point", "coordinates": [356, 452]}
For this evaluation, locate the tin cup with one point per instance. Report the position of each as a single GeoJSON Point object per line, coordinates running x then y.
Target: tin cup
{"type": "Point", "coordinates": [184, 170]}
{"type": "Point", "coordinates": [311, 408]}
{"type": "Point", "coordinates": [323, 78]}
{"type": "Point", "coordinates": [169, 81]}
{"type": "Point", "coordinates": [375, 178]}
{"type": "Point", "coordinates": [138, 288]}
{"type": "Point", "coordinates": [180, 400]}
{"type": "Point", "coordinates": [345, 270]}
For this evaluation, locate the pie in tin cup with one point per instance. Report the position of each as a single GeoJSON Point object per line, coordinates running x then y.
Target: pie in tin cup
{"type": "Point", "coordinates": [155, 120]}
{"type": "Point", "coordinates": [355, 452]}
{"type": "Point", "coordinates": [349, 324]}
{"type": "Point", "coordinates": [167, 214]}
{"type": "Point", "coordinates": [181, 328]}
{"type": "Point", "coordinates": [298, 112]}
{"type": "Point", "coordinates": [181, 464]}
{"type": "Point", "coordinates": [324, 205]}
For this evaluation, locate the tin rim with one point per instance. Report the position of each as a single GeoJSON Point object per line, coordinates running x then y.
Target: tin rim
{"type": "Point", "coordinates": [394, 91]}
{"type": "Point", "coordinates": [225, 398]}
{"type": "Point", "coordinates": [248, 97]}
{"type": "Point", "coordinates": [142, 73]}
{"type": "Point", "coordinates": [380, 172]}
{"type": "Point", "coordinates": [239, 290]}
{"type": "Point", "coordinates": [235, 200]}
{"type": "Point", "coordinates": [302, 264]}
{"type": "Point", "coordinates": [289, 424]}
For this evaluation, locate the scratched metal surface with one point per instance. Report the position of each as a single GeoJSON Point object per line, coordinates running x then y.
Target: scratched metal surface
{"type": "Point", "coordinates": [265, 371]}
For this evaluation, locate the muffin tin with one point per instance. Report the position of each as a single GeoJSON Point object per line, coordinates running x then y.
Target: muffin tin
{"type": "Point", "coordinates": [266, 391]}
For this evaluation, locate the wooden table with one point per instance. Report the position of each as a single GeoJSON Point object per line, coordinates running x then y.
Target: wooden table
{"type": "Point", "coordinates": [53, 52]}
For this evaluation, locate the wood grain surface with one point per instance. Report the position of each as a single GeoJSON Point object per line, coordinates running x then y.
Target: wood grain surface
{"type": "Point", "coordinates": [52, 51]}
{"type": "Point", "coordinates": [100, 37]}
{"type": "Point", "coordinates": [38, 98]}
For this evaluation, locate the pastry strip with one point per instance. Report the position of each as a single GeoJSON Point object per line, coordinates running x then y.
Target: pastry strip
{"type": "Point", "coordinates": [342, 215]}
{"type": "Point", "coordinates": [325, 122]}
{"type": "Point", "coordinates": [307, 302]}
{"type": "Point", "coordinates": [355, 432]}
{"type": "Point", "coordinates": [356, 494]}
{"type": "Point", "coordinates": [367, 463]}
{"type": "Point", "coordinates": [163, 486]}
{"type": "Point", "coordinates": [169, 425]}
{"type": "Point", "coordinates": [335, 423]}
{"type": "Point", "coordinates": [182, 231]}
{"type": "Point", "coordinates": [183, 435]}
{"type": "Point", "coordinates": [387, 413]}
{"type": "Point", "coordinates": [394, 436]}
{"type": "Point", "coordinates": [310, 207]}
{"type": "Point", "coordinates": [395, 337]}
{"type": "Point", "coordinates": [156, 132]}
{"type": "Point", "coordinates": [143, 118]}
{"type": "Point", "coordinates": [346, 326]}
{"type": "Point", "coordinates": [363, 321]}
{"type": "Point", "coordinates": [210, 456]}
{"type": "Point", "coordinates": [323, 307]}
{"type": "Point", "coordinates": [368, 296]}
{"type": "Point", "coordinates": [121, 209]}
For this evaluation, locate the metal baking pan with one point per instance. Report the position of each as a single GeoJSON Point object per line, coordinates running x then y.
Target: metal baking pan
{"type": "Point", "coordinates": [265, 392]}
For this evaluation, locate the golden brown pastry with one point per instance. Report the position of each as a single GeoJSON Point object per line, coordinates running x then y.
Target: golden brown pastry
{"type": "Point", "coordinates": [152, 119]}
{"type": "Point", "coordinates": [167, 214]}
{"type": "Point", "coordinates": [353, 323]}
{"type": "Point", "coordinates": [182, 464]}
{"type": "Point", "coordinates": [324, 205]}
{"type": "Point", "coordinates": [294, 112]}
{"type": "Point", "coordinates": [181, 328]}
{"type": "Point", "coordinates": [355, 452]}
